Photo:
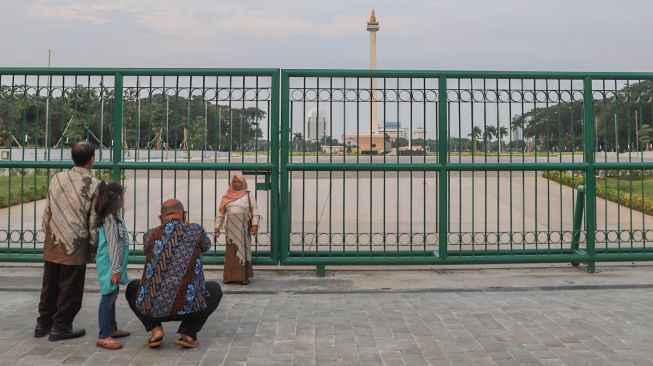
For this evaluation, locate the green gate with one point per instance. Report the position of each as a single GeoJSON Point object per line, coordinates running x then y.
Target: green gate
{"type": "Point", "coordinates": [457, 167]}
{"type": "Point", "coordinates": [350, 166]}
{"type": "Point", "coordinates": [164, 133]}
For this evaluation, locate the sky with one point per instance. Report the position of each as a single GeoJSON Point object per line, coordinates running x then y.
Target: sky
{"type": "Point", "coordinates": [527, 35]}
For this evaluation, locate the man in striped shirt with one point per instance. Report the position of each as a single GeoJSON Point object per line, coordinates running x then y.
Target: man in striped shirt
{"type": "Point", "coordinates": [70, 243]}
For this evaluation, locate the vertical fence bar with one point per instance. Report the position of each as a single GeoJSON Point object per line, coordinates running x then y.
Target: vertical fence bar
{"type": "Point", "coordinates": [590, 176]}
{"type": "Point", "coordinates": [117, 128]}
{"type": "Point", "coordinates": [273, 136]}
{"type": "Point", "coordinates": [284, 224]}
{"type": "Point", "coordinates": [443, 142]}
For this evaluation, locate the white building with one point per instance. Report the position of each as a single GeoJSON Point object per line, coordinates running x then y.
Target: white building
{"type": "Point", "coordinates": [419, 134]}
{"type": "Point", "coordinates": [316, 126]}
{"type": "Point", "coordinates": [394, 130]}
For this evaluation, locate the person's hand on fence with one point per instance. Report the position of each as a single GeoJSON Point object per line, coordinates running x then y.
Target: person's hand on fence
{"type": "Point", "coordinates": [216, 232]}
{"type": "Point", "coordinates": [254, 230]}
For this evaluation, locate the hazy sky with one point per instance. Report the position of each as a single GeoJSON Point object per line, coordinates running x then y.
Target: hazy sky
{"type": "Point", "coordinates": [439, 34]}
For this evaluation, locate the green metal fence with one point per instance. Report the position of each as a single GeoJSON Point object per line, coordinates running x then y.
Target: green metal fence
{"type": "Point", "coordinates": [531, 170]}
{"type": "Point", "coordinates": [163, 132]}
{"type": "Point", "coordinates": [350, 166]}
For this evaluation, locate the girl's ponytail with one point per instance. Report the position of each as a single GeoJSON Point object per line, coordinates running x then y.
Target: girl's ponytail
{"type": "Point", "coordinates": [107, 201]}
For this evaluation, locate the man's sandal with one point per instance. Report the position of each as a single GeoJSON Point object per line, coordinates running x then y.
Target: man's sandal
{"type": "Point", "coordinates": [186, 341]}
{"type": "Point", "coordinates": [108, 344]}
{"type": "Point", "coordinates": [154, 342]}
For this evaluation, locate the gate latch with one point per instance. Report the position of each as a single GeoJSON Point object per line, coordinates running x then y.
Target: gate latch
{"type": "Point", "coordinates": [261, 186]}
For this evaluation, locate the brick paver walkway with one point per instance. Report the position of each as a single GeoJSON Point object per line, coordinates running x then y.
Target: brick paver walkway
{"type": "Point", "coordinates": [574, 327]}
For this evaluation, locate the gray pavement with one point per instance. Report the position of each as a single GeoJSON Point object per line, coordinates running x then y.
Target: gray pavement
{"type": "Point", "coordinates": [348, 205]}
{"type": "Point", "coordinates": [534, 315]}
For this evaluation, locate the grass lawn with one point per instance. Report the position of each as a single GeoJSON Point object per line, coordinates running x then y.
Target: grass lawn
{"type": "Point", "coordinates": [24, 189]}
{"type": "Point", "coordinates": [18, 182]}
{"type": "Point", "coordinates": [642, 186]}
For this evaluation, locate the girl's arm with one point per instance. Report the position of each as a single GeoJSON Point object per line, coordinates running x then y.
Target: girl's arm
{"type": "Point", "coordinates": [116, 245]}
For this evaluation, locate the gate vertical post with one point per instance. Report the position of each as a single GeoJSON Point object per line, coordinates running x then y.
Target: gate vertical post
{"type": "Point", "coordinates": [284, 232]}
{"type": "Point", "coordinates": [443, 151]}
{"type": "Point", "coordinates": [590, 175]}
{"type": "Point", "coordinates": [275, 237]}
{"type": "Point", "coordinates": [117, 116]}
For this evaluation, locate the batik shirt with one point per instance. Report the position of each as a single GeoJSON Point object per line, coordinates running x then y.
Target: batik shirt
{"type": "Point", "coordinates": [173, 278]}
{"type": "Point", "coordinates": [69, 217]}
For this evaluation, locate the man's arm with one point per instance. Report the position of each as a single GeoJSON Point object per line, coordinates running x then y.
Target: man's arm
{"type": "Point", "coordinates": [47, 214]}
{"type": "Point", "coordinates": [205, 242]}
{"type": "Point", "coordinates": [92, 231]}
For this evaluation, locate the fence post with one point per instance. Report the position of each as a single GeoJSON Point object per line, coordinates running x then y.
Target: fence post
{"type": "Point", "coordinates": [443, 151]}
{"type": "Point", "coordinates": [590, 175]}
{"type": "Point", "coordinates": [116, 156]}
{"type": "Point", "coordinates": [275, 247]}
{"type": "Point", "coordinates": [284, 224]}
{"type": "Point", "coordinates": [578, 222]}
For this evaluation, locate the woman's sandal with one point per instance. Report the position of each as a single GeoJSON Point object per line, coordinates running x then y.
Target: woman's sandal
{"type": "Point", "coordinates": [120, 334]}
{"type": "Point", "coordinates": [108, 344]}
{"type": "Point", "coordinates": [186, 341]}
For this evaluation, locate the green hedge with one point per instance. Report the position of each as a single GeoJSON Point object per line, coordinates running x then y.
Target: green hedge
{"type": "Point", "coordinates": [632, 200]}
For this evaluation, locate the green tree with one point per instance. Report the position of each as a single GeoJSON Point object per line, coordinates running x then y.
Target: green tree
{"type": "Point", "coordinates": [475, 136]}
{"type": "Point", "coordinates": [488, 135]}
{"type": "Point", "coordinates": [503, 133]}
{"type": "Point", "coordinates": [645, 137]}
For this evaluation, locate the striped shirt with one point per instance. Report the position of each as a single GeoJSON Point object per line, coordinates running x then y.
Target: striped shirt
{"type": "Point", "coordinates": [69, 217]}
{"type": "Point", "coordinates": [118, 238]}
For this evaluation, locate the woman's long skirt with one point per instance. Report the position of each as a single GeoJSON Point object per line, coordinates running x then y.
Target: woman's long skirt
{"type": "Point", "coordinates": [238, 256]}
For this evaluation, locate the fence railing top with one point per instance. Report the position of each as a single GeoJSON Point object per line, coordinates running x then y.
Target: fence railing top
{"type": "Point", "coordinates": [325, 73]}
{"type": "Point", "coordinates": [467, 74]}
{"type": "Point", "coordinates": [139, 71]}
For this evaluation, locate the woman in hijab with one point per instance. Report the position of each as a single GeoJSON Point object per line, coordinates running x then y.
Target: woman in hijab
{"type": "Point", "coordinates": [238, 213]}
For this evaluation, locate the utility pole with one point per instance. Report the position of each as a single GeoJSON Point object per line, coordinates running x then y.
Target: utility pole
{"type": "Point", "coordinates": [47, 109]}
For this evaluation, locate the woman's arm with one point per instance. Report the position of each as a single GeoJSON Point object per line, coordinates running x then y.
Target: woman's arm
{"type": "Point", "coordinates": [254, 210]}
{"type": "Point", "coordinates": [219, 221]}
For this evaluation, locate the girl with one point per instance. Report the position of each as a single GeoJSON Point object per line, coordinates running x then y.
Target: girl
{"type": "Point", "coordinates": [239, 208]}
{"type": "Point", "coordinates": [111, 260]}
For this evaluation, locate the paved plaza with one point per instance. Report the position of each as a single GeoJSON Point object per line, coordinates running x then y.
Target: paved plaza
{"type": "Point", "coordinates": [531, 316]}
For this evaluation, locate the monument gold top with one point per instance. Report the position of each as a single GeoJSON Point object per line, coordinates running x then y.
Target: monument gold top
{"type": "Point", "coordinates": [373, 17]}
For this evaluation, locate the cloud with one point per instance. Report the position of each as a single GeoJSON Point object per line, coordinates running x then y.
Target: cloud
{"type": "Point", "coordinates": [214, 19]}
{"type": "Point", "coordinates": [90, 11]}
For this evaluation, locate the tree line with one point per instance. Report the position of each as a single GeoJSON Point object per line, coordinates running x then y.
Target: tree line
{"type": "Point", "coordinates": [83, 113]}
{"type": "Point", "coordinates": [623, 122]}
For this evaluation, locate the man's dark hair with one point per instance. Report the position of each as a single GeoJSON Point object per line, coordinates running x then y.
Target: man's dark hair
{"type": "Point", "coordinates": [82, 153]}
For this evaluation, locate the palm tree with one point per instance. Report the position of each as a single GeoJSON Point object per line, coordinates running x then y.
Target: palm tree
{"type": "Point", "coordinates": [517, 127]}
{"type": "Point", "coordinates": [297, 140]}
{"type": "Point", "coordinates": [503, 132]}
{"type": "Point", "coordinates": [475, 135]}
{"type": "Point", "coordinates": [489, 134]}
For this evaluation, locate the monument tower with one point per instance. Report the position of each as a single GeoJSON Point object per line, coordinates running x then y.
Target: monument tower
{"type": "Point", "coordinates": [373, 27]}
{"type": "Point", "coordinates": [373, 141]}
